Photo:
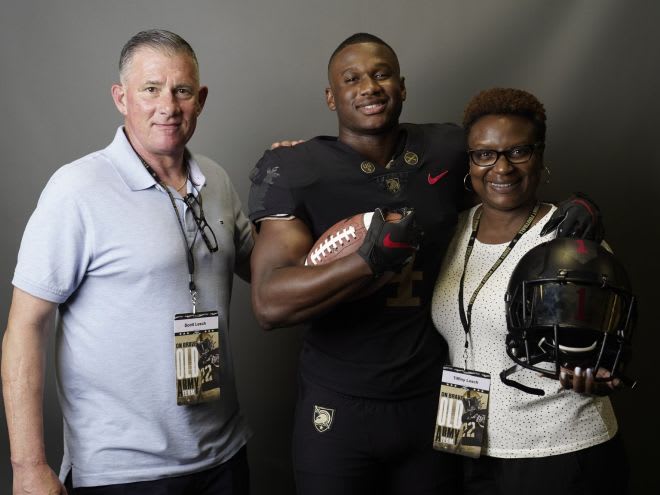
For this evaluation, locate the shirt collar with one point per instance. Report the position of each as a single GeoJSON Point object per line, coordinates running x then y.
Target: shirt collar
{"type": "Point", "coordinates": [128, 165]}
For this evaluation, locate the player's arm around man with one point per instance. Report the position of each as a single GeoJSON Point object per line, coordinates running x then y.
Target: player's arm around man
{"type": "Point", "coordinates": [23, 363]}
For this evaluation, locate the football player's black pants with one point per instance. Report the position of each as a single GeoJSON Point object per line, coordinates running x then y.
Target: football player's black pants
{"type": "Point", "coordinates": [601, 469]}
{"type": "Point", "coordinates": [229, 478]}
{"type": "Point", "coordinates": [347, 445]}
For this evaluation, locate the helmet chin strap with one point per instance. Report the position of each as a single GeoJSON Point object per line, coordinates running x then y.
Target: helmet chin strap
{"type": "Point", "coordinates": [504, 376]}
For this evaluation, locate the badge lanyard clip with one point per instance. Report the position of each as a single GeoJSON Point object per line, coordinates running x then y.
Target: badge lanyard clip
{"type": "Point", "coordinates": [191, 280]}
{"type": "Point", "coordinates": [193, 295]}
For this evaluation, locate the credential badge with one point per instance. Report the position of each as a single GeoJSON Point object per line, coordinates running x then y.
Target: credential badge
{"type": "Point", "coordinates": [323, 417]}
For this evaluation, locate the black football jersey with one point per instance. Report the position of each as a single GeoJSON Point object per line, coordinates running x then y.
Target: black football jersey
{"type": "Point", "coordinates": [383, 345]}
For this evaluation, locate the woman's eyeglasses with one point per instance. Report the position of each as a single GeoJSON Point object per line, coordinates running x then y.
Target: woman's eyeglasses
{"type": "Point", "coordinates": [515, 155]}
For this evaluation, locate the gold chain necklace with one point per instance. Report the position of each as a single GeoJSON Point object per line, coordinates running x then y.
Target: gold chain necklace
{"type": "Point", "coordinates": [185, 182]}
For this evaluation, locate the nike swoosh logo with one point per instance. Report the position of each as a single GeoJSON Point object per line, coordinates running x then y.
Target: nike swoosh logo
{"type": "Point", "coordinates": [433, 180]}
{"type": "Point", "coordinates": [389, 243]}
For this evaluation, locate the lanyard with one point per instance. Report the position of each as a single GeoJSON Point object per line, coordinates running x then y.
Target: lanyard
{"type": "Point", "coordinates": [466, 317]}
{"type": "Point", "coordinates": [189, 253]}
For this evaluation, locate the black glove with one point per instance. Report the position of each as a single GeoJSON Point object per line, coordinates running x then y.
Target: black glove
{"type": "Point", "coordinates": [577, 217]}
{"type": "Point", "coordinates": [389, 245]}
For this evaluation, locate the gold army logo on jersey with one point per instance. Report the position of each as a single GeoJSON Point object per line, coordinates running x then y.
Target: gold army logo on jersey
{"type": "Point", "coordinates": [323, 417]}
{"type": "Point", "coordinates": [411, 158]}
{"type": "Point", "coordinates": [393, 185]}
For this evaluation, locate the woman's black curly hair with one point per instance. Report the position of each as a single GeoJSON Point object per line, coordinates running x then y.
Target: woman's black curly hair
{"type": "Point", "coordinates": [506, 101]}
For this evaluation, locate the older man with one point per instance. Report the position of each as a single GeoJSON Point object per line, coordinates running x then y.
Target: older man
{"type": "Point", "coordinates": [141, 275]}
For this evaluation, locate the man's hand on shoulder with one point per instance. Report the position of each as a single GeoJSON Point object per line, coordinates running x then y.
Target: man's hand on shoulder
{"type": "Point", "coordinates": [577, 217]}
{"type": "Point", "coordinates": [37, 479]}
{"type": "Point", "coordinates": [286, 144]}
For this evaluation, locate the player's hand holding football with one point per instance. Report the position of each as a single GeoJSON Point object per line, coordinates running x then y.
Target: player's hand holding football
{"type": "Point", "coordinates": [390, 244]}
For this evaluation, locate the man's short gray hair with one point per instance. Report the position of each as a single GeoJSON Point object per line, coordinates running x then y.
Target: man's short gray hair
{"type": "Point", "coordinates": [157, 39]}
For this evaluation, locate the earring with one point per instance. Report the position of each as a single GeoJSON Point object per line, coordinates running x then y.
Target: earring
{"type": "Point", "coordinates": [547, 172]}
{"type": "Point", "coordinates": [467, 185]}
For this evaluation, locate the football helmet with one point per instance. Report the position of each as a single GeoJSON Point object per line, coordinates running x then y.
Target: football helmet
{"type": "Point", "coordinates": [568, 304]}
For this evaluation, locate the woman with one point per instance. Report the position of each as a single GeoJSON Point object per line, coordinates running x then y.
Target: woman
{"type": "Point", "coordinates": [563, 442]}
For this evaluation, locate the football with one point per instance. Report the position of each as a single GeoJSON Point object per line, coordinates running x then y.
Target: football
{"type": "Point", "coordinates": [346, 237]}
{"type": "Point", "coordinates": [343, 238]}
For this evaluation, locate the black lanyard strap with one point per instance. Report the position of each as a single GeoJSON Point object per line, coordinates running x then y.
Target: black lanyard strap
{"type": "Point", "coordinates": [466, 316]}
{"type": "Point", "coordinates": [188, 247]}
